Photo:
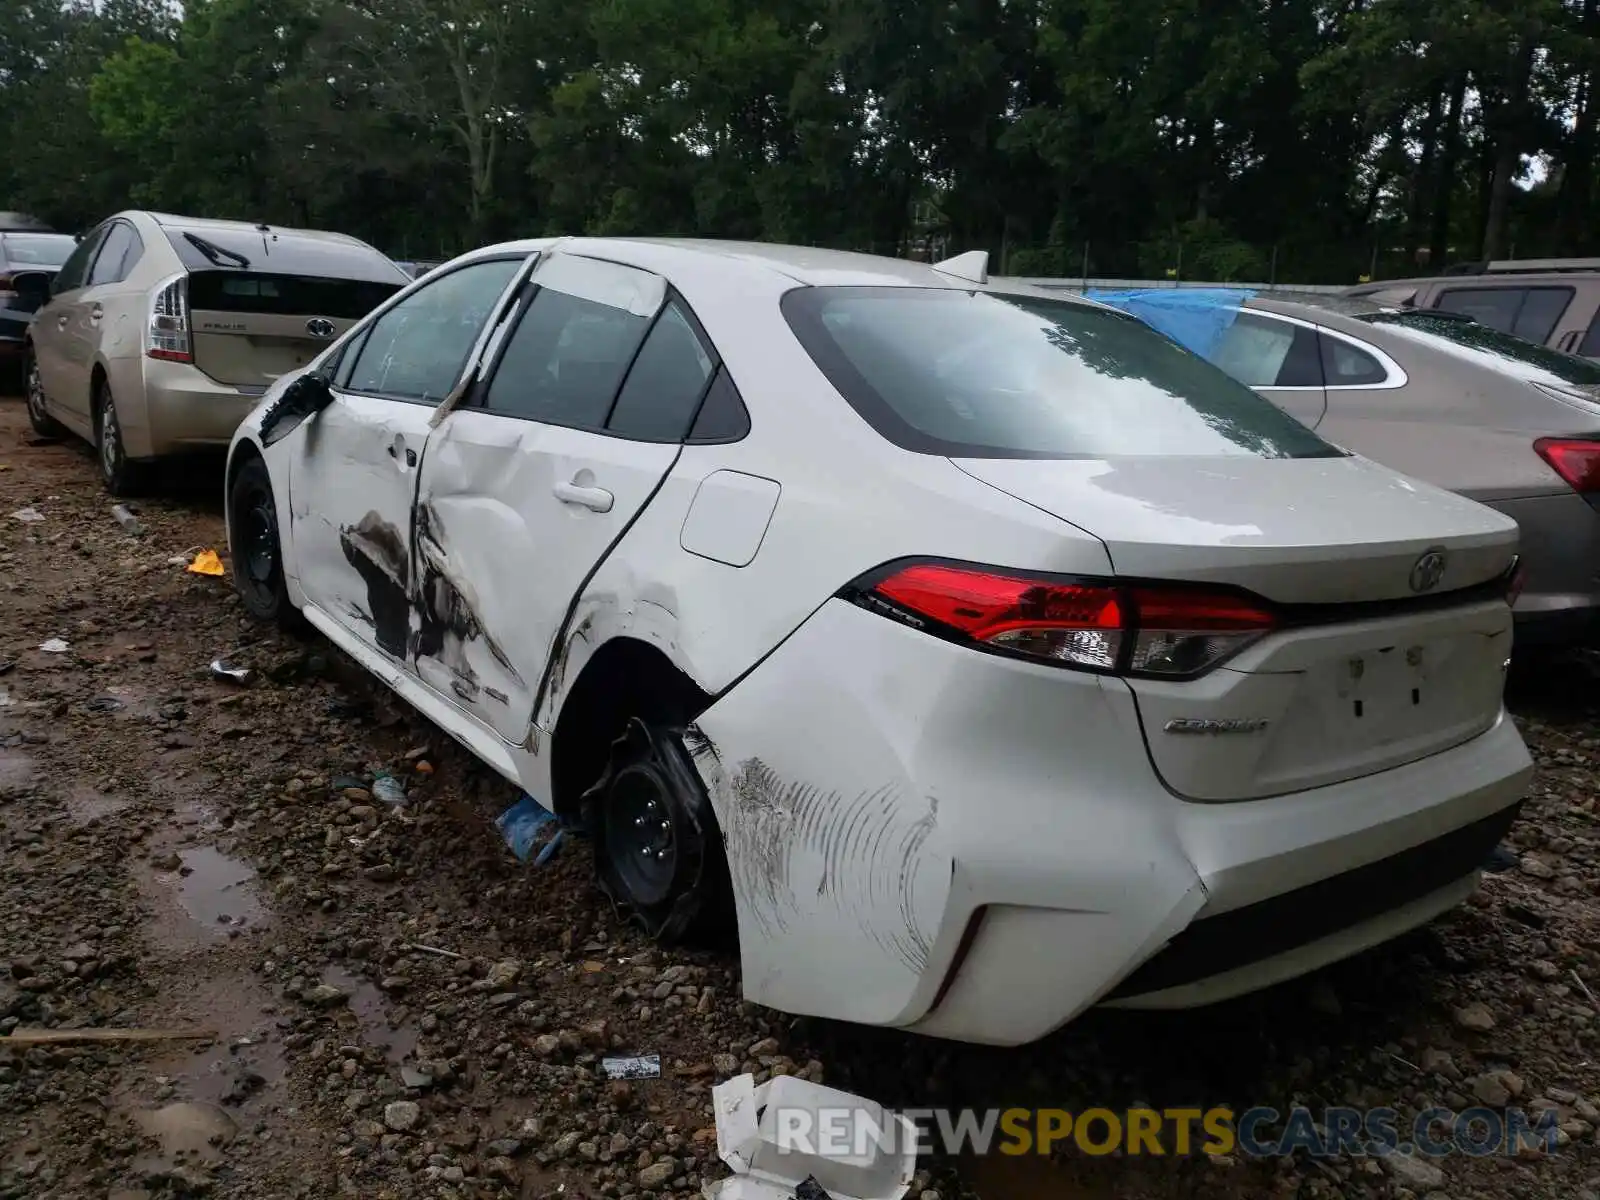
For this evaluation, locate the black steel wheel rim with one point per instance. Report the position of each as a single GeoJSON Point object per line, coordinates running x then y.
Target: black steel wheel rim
{"type": "Point", "coordinates": [641, 840]}
{"type": "Point", "coordinates": [258, 530]}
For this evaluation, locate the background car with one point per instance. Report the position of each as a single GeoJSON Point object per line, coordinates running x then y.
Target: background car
{"type": "Point", "coordinates": [1444, 398]}
{"type": "Point", "coordinates": [161, 332]}
{"type": "Point", "coordinates": [28, 260]}
{"type": "Point", "coordinates": [982, 654]}
{"type": "Point", "coordinates": [1553, 301]}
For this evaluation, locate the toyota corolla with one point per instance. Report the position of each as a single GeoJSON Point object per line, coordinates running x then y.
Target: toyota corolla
{"type": "Point", "coordinates": [980, 654]}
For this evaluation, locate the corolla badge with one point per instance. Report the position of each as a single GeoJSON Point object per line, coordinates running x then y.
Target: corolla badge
{"type": "Point", "coordinates": [321, 327]}
{"type": "Point", "coordinates": [1428, 570]}
{"type": "Point", "coordinates": [1212, 726]}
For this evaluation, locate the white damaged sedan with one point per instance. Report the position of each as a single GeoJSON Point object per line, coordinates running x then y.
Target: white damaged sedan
{"type": "Point", "coordinates": [979, 652]}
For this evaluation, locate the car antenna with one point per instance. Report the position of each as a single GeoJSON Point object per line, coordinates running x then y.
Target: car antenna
{"type": "Point", "coordinates": [972, 266]}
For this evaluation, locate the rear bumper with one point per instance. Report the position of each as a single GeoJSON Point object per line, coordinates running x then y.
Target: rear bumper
{"type": "Point", "coordinates": [982, 848]}
{"type": "Point", "coordinates": [1557, 620]}
{"type": "Point", "coordinates": [186, 410]}
{"type": "Point", "coordinates": [1560, 545]}
{"type": "Point", "coordinates": [1245, 948]}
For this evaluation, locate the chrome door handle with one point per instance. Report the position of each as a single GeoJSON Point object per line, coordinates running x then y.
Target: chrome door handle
{"type": "Point", "coordinates": [594, 498]}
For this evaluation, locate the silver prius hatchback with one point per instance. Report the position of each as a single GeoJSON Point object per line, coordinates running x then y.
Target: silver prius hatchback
{"type": "Point", "coordinates": [160, 333]}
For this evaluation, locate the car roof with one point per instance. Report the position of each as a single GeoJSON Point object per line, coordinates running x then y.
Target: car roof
{"type": "Point", "coordinates": [808, 265]}
{"type": "Point", "coordinates": [204, 224]}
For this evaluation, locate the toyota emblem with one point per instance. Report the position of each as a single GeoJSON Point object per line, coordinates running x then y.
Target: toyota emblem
{"type": "Point", "coordinates": [1428, 570]}
{"type": "Point", "coordinates": [320, 327]}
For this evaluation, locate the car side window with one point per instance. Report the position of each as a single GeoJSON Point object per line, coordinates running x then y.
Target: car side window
{"type": "Point", "coordinates": [659, 398]}
{"type": "Point", "coordinates": [1541, 309]}
{"type": "Point", "coordinates": [1590, 346]}
{"type": "Point", "coordinates": [1528, 312]}
{"type": "Point", "coordinates": [416, 350]}
{"type": "Point", "coordinates": [565, 360]}
{"type": "Point", "coordinates": [76, 269]}
{"type": "Point", "coordinates": [723, 416]}
{"type": "Point", "coordinates": [118, 252]}
{"type": "Point", "coordinates": [1261, 352]}
{"type": "Point", "coordinates": [1345, 364]}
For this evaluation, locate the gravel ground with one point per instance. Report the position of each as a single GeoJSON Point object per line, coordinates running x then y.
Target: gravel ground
{"type": "Point", "coordinates": [397, 1008]}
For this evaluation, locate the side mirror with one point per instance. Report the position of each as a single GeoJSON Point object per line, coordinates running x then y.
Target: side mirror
{"type": "Point", "coordinates": [303, 398]}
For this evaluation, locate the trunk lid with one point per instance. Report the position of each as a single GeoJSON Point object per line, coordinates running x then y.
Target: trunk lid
{"type": "Point", "coordinates": [249, 327]}
{"type": "Point", "coordinates": [1365, 672]}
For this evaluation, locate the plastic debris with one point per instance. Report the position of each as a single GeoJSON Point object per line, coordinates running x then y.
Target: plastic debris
{"type": "Point", "coordinates": [530, 829]}
{"type": "Point", "coordinates": [27, 515]}
{"type": "Point", "coordinates": [1195, 318]}
{"type": "Point", "coordinates": [388, 789]}
{"type": "Point", "coordinates": [126, 519]}
{"type": "Point", "coordinates": [54, 646]}
{"type": "Point", "coordinates": [5, 698]}
{"type": "Point", "coordinates": [206, 563]}
{"type": "Point", "coordinates": [221, 668]}
{"type": "Point", "coordinates": [639, 1066]}
{"type": "Point", "coordinates": [779, 1141]}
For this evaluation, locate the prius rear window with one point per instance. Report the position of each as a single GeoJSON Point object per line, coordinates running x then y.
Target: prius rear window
{"type": "Point", "coordinates": [980, 374]}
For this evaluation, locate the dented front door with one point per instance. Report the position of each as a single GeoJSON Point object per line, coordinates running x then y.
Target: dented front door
{"type": "Point", "coordinates": [351, 489]}
{"type": "Point", "coordinates": [355, 465]}
{"type": "Point", "coordinates": [524, 491]}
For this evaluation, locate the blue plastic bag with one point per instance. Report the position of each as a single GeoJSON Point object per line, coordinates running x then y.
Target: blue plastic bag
{"type": "Point", "coordinates": [530, 829]}
{"type": "Point", "coordinates": [1195, 318]}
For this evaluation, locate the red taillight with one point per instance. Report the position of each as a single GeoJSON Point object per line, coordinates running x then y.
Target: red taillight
{"type": "Point", "coordinates": [1575, 460]}
{"type": "Point", "coordinates": [1143, 629]}
{"type": "Point", "coordinates": [168, 335]}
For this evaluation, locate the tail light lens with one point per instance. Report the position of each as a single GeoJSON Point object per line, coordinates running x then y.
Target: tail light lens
{"type": "Point", "coordinates": [168, 338]}
{"type": "Point", "coordinates": [1577, 461]}
{"type": "Point", "coordinates": [1165, 631]}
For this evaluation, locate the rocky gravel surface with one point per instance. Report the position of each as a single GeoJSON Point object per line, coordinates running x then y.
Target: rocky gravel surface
{"type": "Point", "coordinates": [378, 1000]}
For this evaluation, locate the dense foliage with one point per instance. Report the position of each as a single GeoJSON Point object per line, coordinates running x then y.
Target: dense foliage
{"type": "Point", "coordinates": [1305, 139]}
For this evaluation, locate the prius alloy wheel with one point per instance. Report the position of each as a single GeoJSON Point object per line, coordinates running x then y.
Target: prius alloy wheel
{"type": "Point", "coordinates": [121, 476]}
{"type": "Point", "coordinates": [38, 416]}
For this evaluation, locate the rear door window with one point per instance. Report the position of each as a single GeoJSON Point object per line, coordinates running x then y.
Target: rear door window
{"type": "Point", "coordinates": [1261, 352]}
{"type": "Point", "coordinates": [983, 374]}
{"type": "Point", "coordinates": [1527, 312]}
{"type": "Point", "coordinates": [76, 269]}
{"type": "Point", "coordinates": [416, 350]}
{"type": "Point", "coordinates": [665, 384]}
{"type": "Point", "coordinates": [118, 254]}
{"type": "Point", "coordinates": [565, 361]}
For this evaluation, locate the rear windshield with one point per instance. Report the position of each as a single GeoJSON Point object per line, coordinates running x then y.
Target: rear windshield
{"type": "Point", "coordinates": [1465, 337]}
{"type": "Point", "coordinates": [974, 374]}
{"type": "Point", "coordinates": [288, 295]}
{"type": "Point", "coordinates": [35, 249]}
{"type": "Point", "coordinates": [205, 248]}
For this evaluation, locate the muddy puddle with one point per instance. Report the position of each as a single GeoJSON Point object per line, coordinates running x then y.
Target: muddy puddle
{"type": "Point", "coordinates": [200, 895]}
{"type": "Point", "coordinates": [371, 1013]}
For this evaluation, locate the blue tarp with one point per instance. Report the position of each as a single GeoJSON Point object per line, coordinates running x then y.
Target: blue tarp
{"type": "Point", "coordinates": [1195, 318]}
